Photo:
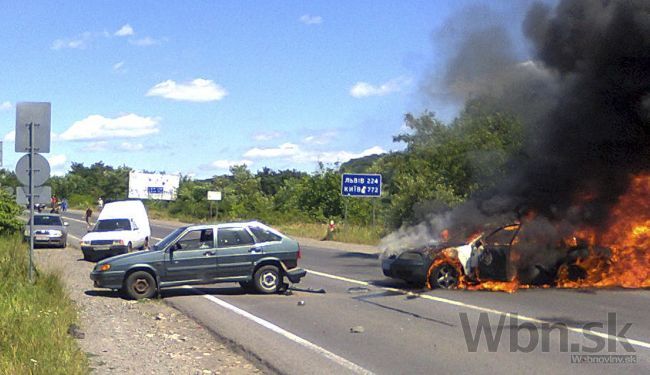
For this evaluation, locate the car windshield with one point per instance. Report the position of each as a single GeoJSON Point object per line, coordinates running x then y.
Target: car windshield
{"type": "Point", "coordinates": [110, 225]}
{"type": "Point", "coordinates": [47, 220]}
{"type": "Point", "coordinates": [169, 238]}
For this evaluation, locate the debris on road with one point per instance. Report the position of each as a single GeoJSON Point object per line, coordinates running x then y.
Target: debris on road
{"type": "Point", "coordinates": [301, 303]}
{"type": "Point", "coordinates": [357, 329]}
{"type": "Point", "coordinates": [309, 290]}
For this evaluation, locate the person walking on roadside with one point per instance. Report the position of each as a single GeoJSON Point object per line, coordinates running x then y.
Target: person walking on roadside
{"type": "Point", "coordinates": [89, 213]}
{"type": "Point", "coordinates": [100, 203]}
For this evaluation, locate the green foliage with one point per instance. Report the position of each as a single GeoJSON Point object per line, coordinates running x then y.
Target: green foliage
{"type": "Point", "coordinates": [448, 163]}
{"type": "Point", "coordinates": [34, 319]}
{"type": "Point", "coordinates": [9, 211]}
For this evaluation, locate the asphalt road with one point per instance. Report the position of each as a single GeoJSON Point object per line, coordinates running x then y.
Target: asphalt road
{"type": "Point", "coordinates": [407, 331]}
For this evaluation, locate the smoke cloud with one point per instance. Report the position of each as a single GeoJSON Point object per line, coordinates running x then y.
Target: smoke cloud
{"type": "Point", "coordinates": [584, 101]}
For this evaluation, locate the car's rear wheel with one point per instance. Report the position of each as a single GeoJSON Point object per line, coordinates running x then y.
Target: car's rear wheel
{"type": "Point", "coordinates": [267, 279]}
{"type": "Point", "coordinates": [139, 285]}
{"type": "Point", "coordinates": [444, 276]}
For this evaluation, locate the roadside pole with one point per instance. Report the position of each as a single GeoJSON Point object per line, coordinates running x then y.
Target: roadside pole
{"type": "Point", "coordinates": [31, 202]}
{"type": "Point", "coordinates": [33, 122]}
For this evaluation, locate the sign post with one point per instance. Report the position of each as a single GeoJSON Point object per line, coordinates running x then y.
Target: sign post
{"type": "Point", "coordinates": [32, 136]}
{"type": "Point", "coordinates": [361, 185]}
{"type": "Point", "coordinates": [214, 196]}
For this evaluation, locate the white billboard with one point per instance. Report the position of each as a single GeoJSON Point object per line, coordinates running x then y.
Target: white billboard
{"type": "Point", "coordinates": [156, 186]}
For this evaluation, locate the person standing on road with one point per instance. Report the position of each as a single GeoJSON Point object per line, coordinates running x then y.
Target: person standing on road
{"type": "Point", "coordinates": [64, 205]}
{"type": "Point", "coordinates": [100, 203]}
{"type": "Point", "coordinates": [89, 213]}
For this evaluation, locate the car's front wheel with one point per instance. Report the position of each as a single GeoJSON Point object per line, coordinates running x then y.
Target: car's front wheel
{"type": "Point", "coordinates": [267, 279]}
{"type": "Point", "coordinates": [139, 285]}
{"type": "Point", "coordinates": [444, 276]}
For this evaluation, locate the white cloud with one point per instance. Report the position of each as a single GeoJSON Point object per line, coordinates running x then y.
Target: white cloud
{"type": "Point", "coordinates": [118, 66]}
{"type": "Point", "coordinates": [320, 139]}
{"type": "Point", "coordinates": [10, 137]}
{"type": "Point", "coordinates": [198, 90]}
{"type": "Point", "coordinates": [145, 42]}
{"type": "Point", "coordinates": [95, 146]}
{"type": "Point", "coordinates": [79, 42]}
{"type": "Point", "coordinates": [6, 106]}
{"type": "Point", "coordinates": [56, 160]}
{"type": "Point", "coordinates": [295, 153]}
{"type": "Point", "coordinates": [58, 164]}
{"type": "Point", "coordinates": [225, 164]}
{"type": "Point", "coordinates": [364, 89]}
{"type": "Point", "coordinates": [286, 149]}
{"type": "Point", "coordinates": [97, 127]}
{"type": "Point", "coordinates": [266, 136]}
{"type": "Point", "coordinates": [128, 146]}
{"type": "Point", "coordinates": [311, 20]}
{"type": "Point", "coordinates": [125, 30]}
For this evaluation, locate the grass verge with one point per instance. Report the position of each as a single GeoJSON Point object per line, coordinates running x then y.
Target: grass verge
{"type": "Point", "coordinates": [344, 232]}
{"type": "Point", "coordinates": [34, 319]}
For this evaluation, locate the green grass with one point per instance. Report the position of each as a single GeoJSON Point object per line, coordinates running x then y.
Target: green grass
{"type": "Point", "coordinates": [349, 233]}
{"type": "Point", "coordinates": [34, 319]}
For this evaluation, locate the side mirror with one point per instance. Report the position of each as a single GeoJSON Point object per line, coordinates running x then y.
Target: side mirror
{"type": "Point", "coordinates": [65, 223]}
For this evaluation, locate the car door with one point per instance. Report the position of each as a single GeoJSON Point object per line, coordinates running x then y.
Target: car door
{"type": "Point", "coordinates": [236, 252]}
{"type": "Point", "coordinates": [494, 260]}
{"type": "Point", "coordinates": [192, 257]}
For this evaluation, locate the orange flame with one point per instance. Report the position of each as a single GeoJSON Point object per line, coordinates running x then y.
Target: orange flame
{"type": "Point", "coordinates": [627, 237]}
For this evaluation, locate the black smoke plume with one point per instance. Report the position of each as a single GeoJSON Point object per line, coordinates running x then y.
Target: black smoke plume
{"type": "Point", "coordinates": [584, 101]}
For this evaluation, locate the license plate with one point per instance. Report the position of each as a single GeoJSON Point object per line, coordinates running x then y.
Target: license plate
{"type": "Point", "coordinates": [41, 238]}
{"type": "Point", "coordinates": [101, 247]}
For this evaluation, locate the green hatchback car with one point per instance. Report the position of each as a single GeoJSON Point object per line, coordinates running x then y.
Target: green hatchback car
{"type": "Point", "coordinates": [251, 253]}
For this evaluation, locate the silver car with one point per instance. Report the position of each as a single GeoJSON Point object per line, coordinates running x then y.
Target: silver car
{"type": "Point", "coordinates": [49, 230]}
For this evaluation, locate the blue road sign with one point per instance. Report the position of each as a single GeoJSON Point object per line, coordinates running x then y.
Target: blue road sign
{"type": "Point", "coordinates": [155, 189]}
{"type": "Point", "coordinates": [361, 185]}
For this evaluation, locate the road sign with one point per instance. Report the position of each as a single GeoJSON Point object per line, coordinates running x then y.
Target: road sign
{"type": "Point", "coordinates": [38, 114]}
{"type": "Point", "coordinates": [214, 195]}
{"type": "Point", "coordinates": [361, 185]}
{"type": "Point", "coordinates": [40, 166]}
{"type": "Point", "coordinates": [42, 194]}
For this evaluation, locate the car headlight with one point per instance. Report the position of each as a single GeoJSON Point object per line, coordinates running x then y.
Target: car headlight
{"type": "Point", "coordinates": [85, 243]}
{"type": "Point", "coordinates": [55, 233]}
{"type": "Point", "coordinates": [104, 267]}
{"type": "Point", "coordinates": [118, 242]}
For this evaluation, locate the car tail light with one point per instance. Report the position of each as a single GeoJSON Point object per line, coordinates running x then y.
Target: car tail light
{"type": "Point", "coordinates": [299, 253]}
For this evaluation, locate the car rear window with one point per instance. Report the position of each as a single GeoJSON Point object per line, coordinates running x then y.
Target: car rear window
{"type": "Point", "coordinates": [264, 235]}
{"type": "Point", "coordinates": [110, 225]}
{"type": "Point", "coordinates": [233, 237]}
{"type": "Point", "coordinates": [47, 220]}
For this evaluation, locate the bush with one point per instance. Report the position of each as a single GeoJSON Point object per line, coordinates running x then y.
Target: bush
{"type": "Point", "coordinates": [9, 211]}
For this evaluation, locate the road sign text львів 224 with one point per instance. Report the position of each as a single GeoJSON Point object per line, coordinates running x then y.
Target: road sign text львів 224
{"type": "Point", "coordinates": [361, 185]}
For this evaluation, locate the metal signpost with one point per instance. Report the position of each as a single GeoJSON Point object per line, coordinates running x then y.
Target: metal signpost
{"type": "Point", "coordinates": [214, 196]}
{"type": "Point", "coordinates": [361, 185]}
{"type": "Point", "coordinates": [32, 136]}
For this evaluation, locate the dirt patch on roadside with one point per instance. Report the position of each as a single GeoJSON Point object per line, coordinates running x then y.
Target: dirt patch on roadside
{"type": "Point", "coordinates": [129, 337]}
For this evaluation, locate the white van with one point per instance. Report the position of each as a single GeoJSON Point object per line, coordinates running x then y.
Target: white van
{"type": "Point", "coordinates": [121, 227]}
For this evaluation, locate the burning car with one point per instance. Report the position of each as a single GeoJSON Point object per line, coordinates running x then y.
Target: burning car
{"type": "Point", "coordinates": [488, 257]}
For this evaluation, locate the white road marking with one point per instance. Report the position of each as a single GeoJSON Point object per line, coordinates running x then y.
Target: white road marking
{"type": "Point", "coordinates": [281, 331]}
{"type": "Point", "coordinates": [582, 331]}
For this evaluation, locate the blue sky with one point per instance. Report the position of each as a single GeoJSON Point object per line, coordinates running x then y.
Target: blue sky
{"type": "Point", "coordinates": [193, 87]}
